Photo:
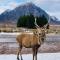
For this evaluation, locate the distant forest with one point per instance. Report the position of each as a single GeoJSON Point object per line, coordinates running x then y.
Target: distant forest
{"type": "Point", "coordinates": [28, 21]}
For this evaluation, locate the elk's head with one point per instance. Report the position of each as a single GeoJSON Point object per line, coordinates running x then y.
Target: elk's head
{"type": "Point", "coordinates": [40, 32]}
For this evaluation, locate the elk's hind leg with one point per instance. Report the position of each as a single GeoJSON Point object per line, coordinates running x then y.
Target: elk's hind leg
{"type": "Point", "coordinates": [19, 51]}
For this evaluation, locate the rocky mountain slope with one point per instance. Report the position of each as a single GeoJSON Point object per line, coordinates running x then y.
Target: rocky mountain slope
{"type": "Point", "coordinates": [11, 16]}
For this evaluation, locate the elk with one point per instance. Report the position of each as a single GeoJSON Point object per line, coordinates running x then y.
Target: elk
{"type": "Point", "coordinates": [31, 40]}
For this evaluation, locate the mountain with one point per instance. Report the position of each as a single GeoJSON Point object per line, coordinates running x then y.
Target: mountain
{"type": "Point", "coordinates": [11, 16]}
{"type": "Point", "coordinates": [26, 9]}
{"type": "Point", "coordinates": [54, 21]}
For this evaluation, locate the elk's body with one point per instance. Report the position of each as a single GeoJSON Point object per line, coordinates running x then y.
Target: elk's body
{"type": "Point", "coordinates": [27, 40]}
{"type": "Point", "coordinates": [33, 40]}
{"type": "Point", "coordinates": [30, 40]}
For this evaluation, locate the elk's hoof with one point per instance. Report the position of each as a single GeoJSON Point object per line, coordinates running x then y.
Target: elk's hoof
{"type": "Point", "coordinates": [18, 58]}
{"type": "Point", "coordinates": [21, 59]}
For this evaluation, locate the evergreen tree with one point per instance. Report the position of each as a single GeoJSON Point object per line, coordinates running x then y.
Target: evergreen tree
{"type": "Point", "coordinates": [41, 21]}
{"type": "Point", "coordinates": [28, 21]}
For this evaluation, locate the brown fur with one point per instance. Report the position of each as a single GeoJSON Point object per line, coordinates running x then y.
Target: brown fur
{"type": "Point", "coordinates": [33, 41]}
{"type": "Point", "coordinates": [27, 40]}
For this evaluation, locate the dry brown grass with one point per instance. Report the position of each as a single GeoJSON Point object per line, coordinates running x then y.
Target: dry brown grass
{"type": "Point", "coordinates": [52, 29]}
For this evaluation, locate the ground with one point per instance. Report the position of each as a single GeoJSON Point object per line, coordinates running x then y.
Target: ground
{"type": "Point", "coordinates": [9, 45]}
{"type": "Point", "coordinates": [41, 56]}
{"type": "Point", "coordinates": [47, 47]}
{"type": "Point", "coordinates": [50, 50]}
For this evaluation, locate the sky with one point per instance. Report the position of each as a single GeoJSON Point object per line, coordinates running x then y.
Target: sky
{"type": "Point", "coordinates": [52, 7]}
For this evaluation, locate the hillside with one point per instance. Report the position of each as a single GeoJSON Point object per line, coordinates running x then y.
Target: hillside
{"type": "Point", "coordinates": [11, 16]}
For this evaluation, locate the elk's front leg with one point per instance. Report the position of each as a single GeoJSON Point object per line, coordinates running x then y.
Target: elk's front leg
{"type": "Point", "coordinates": [18, 54]}
{"type": "Point", "coordinates": [19, 51]}
{"type": "Point", "coordinates": [33, 49]}
{"type": "Point", "coordinates": [36, 50]}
